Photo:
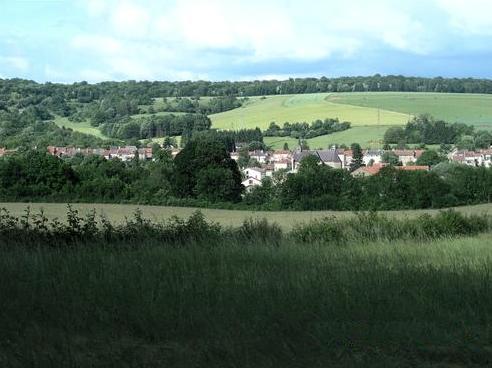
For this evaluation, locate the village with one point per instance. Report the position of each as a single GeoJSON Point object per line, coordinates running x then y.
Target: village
{"type": "Point", "coordinates": [263, 164]}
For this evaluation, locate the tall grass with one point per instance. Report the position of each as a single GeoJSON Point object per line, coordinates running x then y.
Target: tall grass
{"type": "Point", "coordinates": [392, 304]}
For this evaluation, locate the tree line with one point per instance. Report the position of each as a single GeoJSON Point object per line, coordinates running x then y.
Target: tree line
{"type": "Point", "coordinates": [424, 129]}
{"type": "Point", "coordinates": [203, 174]}
{"type": "Point", "coordinates": [306, 131]}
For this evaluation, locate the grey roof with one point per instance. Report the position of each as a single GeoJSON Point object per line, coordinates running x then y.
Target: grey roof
{"type": "Point", "coordinates": [324, 155]}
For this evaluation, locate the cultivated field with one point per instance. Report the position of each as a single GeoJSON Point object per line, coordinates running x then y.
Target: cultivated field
{"type": "Point", "coordinates": [473, 109]}
{"type": "Point", "coordinates": [259, 112]}
{"type": "Point", "coordinates": [286, 219]}
{"type": "Point", "coordinates": [371, 113]}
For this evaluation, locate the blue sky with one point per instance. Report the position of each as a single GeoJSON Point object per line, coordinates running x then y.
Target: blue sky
{"type": "Point", "coordinates": [96, 40]}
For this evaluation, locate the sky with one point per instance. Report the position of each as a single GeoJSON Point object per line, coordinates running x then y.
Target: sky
{"type": "Point", "coordinates": [97, 40]}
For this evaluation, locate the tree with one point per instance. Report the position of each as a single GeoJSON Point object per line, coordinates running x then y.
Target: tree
{"type": "Point", "coordinates": [286, 146]}
{"type": "Point", "coordinates": [244, 157]}
{"type": "Point", "coordinates": [357, 157]}
{"type": "Point", "coordinates": [394, 135]}
{"type": "Point", "coordinates": [206, 158]}
{"type": "Point", "coordinates": [429, 158]}
{"type": "Point", "coordinates": [390, 158]}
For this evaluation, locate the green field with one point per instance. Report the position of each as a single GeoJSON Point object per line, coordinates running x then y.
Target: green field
{"type": "Point", "coordinates": [83, 127]}
{"type": "Point", "coordinates": [473, 109]}
{"type": "Point", "coordinates": [366, 136]}
{"type": "Point", "coordinates": [259, 112]}
{"type": "Point", "coordinates": [398, 304]}
{"type": "Point", "coordinates": [287, 219]}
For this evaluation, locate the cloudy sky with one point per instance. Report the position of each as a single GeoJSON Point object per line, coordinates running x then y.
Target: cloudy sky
{"type": "Point", "coordinates": [96, 40]}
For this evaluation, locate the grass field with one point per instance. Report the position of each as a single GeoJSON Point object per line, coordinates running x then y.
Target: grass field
{"type": "Point", "coordinates": [258, 112]}
{"type": "Point", "coordinates": [370, 113]}
{"type": "Point", "coordinates": [286, 219]}
{"type": "Point", "coordinates": [473, 109]}
{"type": "Point", "coordinates": [83, 127]}
{"type": "Point", "coordinates": [400, 304]}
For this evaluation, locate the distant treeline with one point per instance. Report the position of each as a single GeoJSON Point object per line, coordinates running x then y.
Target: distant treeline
{"type": "Point", "coordinates": [424, 129]}
{"type": "Point", "coordinates": [305, 130]}
{"type": "Point", "coordinates": [144, 91]}
{"type": "Point", "coordinates": [204, 175]}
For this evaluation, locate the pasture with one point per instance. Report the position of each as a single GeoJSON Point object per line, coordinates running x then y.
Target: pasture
{"type": "Point", "coordinates": [286, 219]}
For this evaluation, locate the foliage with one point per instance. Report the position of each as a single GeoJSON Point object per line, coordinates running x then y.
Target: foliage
{"type": "Point", "coordinates": [305, 130]}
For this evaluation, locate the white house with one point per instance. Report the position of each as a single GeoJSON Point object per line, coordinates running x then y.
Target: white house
{"type": "Point", "coordinates": [250, 183]}
{"type": "Point", "coordinates": [374, 156]}
{"type": "Point", "coordinates": [259, 156]}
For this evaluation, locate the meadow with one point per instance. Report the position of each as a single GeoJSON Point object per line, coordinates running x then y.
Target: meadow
{"type": "Point", "coordinates": [286, 219]}
{"type": "Point", "coordinates": [376, 304]}
{"type": "Point", "coordinates": [84, 127]}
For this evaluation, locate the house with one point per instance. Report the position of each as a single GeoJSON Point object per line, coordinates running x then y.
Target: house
{"type": "Point", "coordinates": [235, 156]}
{"type": "Point", "coordinates": [250, 183]}
{"type": "Point", "coordinates": [281, 165]}
{"type": "Point", "coordinates": [346, 156]}
{"type": "Point", "coordinates": [372, 157]}
{"type": "Point", "coordinates": [255, 175]}
{"type": "Point", "coordinates": [260, 156]}
{"type": "Point", "coordinates": [376, 168]}
{"type": "Point", "coordinates": [280, 155]}
{"type": "Point", "coordinates": [408, 156]}
{"type": "Point", "coordinates": [327, 157]}
{"type": "Point", "coordinates": [368, 170]}
{"type": "Point", "coordinates": [472, 158]}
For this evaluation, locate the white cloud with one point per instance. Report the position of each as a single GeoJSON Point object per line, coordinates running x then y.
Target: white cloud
{"type": "Point", "coordinates": [96, 8]}
{"type": "Point", "coordinates": [17, 62]}
{"type": "Point", "coordinates": [97, 43]}
{"type": "Point", "coordinates": [184, 39]}
{"type": "Point", "coordinates": [130, 19]}
{"type": "Point", "coordinates": [471, 16]}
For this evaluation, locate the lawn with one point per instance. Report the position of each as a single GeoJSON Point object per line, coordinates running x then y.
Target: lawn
{"type": "Point", "coordinates": [287, 219]}
{"type": "Point", "coordinates": [83, 127]}
{"type": "Point", "coordinates": [399, 304]}
{"type": "Point", "coordinates": [472, 109]}
{"type": "Point", "coordinates": [259, 112]}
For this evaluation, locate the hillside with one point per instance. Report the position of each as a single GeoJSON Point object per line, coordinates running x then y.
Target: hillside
{"type": "Point", "coordinates": [370, 113]}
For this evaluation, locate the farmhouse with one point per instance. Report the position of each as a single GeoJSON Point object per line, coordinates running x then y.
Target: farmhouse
{"type": "Point", "coordinates": [260, 156]}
